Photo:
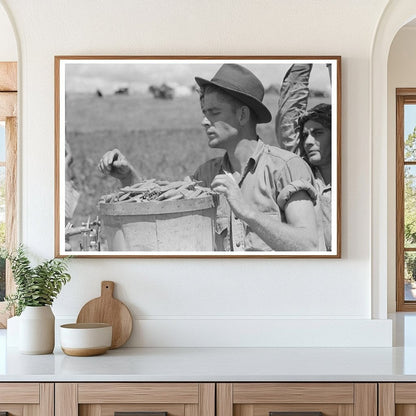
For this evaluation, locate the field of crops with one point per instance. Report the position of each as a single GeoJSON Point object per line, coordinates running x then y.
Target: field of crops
{"type": "Point", "coordinates": [163, 139]}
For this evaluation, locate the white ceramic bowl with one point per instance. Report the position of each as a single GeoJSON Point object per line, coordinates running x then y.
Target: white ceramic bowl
{"type": "Point", "coordinates": [85, 339]}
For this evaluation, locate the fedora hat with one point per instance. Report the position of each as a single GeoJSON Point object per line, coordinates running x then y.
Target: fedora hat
{"type": "Point", "coordinates": [242, 84]}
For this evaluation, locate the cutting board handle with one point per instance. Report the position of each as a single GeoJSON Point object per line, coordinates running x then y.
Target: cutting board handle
{"type": "Point", "coordinates": [107, 289]}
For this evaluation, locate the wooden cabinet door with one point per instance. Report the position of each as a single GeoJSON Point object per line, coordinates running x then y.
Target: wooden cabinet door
{"type": "Point", "coordinates": [397, 399]}
{"type": "Point", "coordinates": [26, 399]}
{"type": "Point", "coordinates": [143, 399]}
{"type": "Point", "coordinates": [297, 399]}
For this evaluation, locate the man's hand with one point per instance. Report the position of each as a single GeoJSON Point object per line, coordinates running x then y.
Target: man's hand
{"type": "Point", "coordinates": [114, 163]}
{"type": "Point", "coordinates": [225, 184]}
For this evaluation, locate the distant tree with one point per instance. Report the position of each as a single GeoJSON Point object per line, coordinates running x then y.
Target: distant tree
{"type": "Point", "coordinates": [410, 146]}
{"type": "Point", "coordinates": [2, 234]}
{"type": "Point", "coordinates": [410, 267]}
{"type": "Point", "coordinates": [410, 205]}
{"type": "Point", "coordinates": [410, 191]}
{"type": "Point", "coordinates": [2, 206]}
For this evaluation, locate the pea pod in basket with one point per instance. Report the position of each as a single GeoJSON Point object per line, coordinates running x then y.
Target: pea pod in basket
{"type": "Point", "coordinates": [157, 190]}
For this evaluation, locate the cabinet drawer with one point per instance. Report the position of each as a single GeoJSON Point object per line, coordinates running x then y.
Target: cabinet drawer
{"type": "Point", "coordinates": [270, 399]}
{"type": "Point", "coordinates": [21, 399]}
{"type": "Point", "coordinates": [147, 399]}
{"type": "Point", "coordinates": [19, 393]}
{"type": "Point", "coordinates": [138, 393]}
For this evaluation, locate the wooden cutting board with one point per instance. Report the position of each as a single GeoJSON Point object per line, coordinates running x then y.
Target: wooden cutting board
{"type": "Point", "coordinates": [108, 310]}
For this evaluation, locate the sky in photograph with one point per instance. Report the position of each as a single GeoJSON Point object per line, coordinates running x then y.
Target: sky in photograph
{"type": "Point", "coordinates": [108, 76]}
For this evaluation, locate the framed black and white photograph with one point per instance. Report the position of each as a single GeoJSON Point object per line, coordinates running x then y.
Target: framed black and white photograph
{"type": "Point", "coordinates": [197, 156]}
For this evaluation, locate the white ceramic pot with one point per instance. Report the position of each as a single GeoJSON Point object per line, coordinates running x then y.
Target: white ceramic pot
{"type": "Point", "coordinates": [37, 330]}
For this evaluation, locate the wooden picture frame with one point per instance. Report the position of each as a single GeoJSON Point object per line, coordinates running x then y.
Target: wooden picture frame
{"type": "Point", "coordinates": [149, 108]}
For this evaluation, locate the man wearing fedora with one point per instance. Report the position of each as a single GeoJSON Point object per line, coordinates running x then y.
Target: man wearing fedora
{"type": "Point", "coordinates": [267, 195]}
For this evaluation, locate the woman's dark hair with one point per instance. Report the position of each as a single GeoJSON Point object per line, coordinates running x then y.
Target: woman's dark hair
{"type": "Point", "coordinates": [321, 113]}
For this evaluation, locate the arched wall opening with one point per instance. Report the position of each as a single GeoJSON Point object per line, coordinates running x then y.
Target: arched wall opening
{"type": "Point", "coordinates": [401, 74]}
{"type": "Point", "coordinates": [396, 15]}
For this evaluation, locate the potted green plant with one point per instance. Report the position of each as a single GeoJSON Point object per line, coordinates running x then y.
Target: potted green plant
{"type": "Point", "coordinates": [36, 289]}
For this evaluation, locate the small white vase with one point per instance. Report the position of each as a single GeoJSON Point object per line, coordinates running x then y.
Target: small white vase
{"type": "Point", "coordinates": [12, 334]}
{"type": "Point", "coordinates": [37, 330]}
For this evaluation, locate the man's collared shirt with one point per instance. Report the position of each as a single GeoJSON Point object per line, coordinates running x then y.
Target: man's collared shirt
{"type": "Point", "coordinates": [268, 181]}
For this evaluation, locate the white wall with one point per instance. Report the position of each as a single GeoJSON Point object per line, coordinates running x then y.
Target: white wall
{"type": "Point", "coordinates": [401, 74]}
{"type": "Point", "coordinates": [8, 46]}
{"type": "Point", "coordinates": [215, 301]}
